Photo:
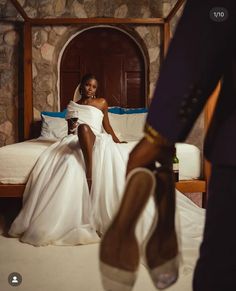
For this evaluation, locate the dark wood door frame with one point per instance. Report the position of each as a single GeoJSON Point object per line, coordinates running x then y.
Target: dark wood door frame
{"type": "Point", "coordinates": [118, 59]}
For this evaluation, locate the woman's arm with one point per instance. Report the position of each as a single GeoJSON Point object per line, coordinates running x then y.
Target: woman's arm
{"type": "Point", "coordinates": [106, 122]}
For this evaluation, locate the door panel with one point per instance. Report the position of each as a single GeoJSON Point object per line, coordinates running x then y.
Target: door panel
{"type": "Point", "coordinates": [116, 61]}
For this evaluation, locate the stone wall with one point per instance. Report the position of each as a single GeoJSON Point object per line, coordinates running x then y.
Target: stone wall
{"type": "Point", "coordinates": [47, 46]}
{"type": "Point", "coordinates": [48, 41]}
{"type": "Point", "coordinates": [8, 84]}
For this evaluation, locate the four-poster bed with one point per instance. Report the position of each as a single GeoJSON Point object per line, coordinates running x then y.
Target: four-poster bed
{"type": "Point", "coordinates": [16, 190]}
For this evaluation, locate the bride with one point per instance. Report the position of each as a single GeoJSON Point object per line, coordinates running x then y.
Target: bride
{"type": "Point", "coordinates": [76, 185]}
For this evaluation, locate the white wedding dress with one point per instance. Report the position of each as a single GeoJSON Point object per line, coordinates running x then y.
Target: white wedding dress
{"type": "Point", "coordinates": [57, 206]}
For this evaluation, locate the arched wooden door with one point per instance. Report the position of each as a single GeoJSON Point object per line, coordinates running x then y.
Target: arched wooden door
{"type": "Point", "coordinates": [114, 58]}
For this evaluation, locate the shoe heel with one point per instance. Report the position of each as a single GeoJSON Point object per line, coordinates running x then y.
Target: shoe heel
{"type": "Point", "coordinates": [114, 279]}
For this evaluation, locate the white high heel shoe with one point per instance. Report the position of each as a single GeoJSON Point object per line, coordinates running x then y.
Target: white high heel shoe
{"type": "Point", "coordinates": [166, 274]}
{"type": "Point", "coordinates": [115, 278]}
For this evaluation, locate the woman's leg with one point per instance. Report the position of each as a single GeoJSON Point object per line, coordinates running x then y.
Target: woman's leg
{"type": "Point", "coordinates": [86, 140]}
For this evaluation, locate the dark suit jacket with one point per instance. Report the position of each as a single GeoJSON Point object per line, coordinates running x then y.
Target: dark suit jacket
{"type": "Point", "coordinates": [201, 53]}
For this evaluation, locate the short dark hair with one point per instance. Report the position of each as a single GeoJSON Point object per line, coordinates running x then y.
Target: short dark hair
{"type": "Point", "coordinates": [85, 78]}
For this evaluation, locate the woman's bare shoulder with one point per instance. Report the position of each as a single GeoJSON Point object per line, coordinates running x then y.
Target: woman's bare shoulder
{"type": "Point", "coordinates": [102, 102]}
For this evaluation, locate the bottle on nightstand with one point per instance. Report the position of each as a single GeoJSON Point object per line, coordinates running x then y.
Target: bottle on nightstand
{"type": "Point", "coordinates": [176, 166]}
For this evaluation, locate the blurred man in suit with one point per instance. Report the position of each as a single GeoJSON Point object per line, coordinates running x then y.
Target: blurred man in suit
{"type": "Point", "coordinates": [202, 53]}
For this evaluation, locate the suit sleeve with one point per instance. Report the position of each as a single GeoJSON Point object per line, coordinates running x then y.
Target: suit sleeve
{"type": "Point", "coordinates": [195, 62]}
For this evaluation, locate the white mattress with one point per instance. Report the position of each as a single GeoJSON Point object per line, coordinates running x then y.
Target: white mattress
{"type": "Point", "coordinates": [17, 160]}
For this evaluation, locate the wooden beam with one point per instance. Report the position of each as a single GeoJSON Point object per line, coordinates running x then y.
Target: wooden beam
{"type": "Point", "coordinates": [16, 190]}
{"type": "Point", "coordinates": [20, 9]}
{"type": "Point", "coordinates": [191, 186]}
{"type": "Point", "coordinates": [174, 10]}
{"type": "Point", "coordinates": [185, 186]}
{"type": "Point", "coordinates": [208, 113]}
{"type": "Point", "coordinates": [95, 20]}
{"type": "Point", "coordinates": [28, 80]}
{"type": "Point", "coordinates": [210, 106]}
{"type": "Point", "coordinates": [166, 37]}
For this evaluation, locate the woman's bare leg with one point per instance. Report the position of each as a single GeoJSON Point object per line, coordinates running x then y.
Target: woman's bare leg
{"type": "Point", "coordinates": [86, 140]}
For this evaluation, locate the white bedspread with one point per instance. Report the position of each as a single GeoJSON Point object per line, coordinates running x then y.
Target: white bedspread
{"type": "Point", "coordinates": [17, 160]}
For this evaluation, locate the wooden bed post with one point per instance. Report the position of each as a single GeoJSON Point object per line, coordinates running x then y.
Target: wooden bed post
{"type": "Point", "coordinates": [208, 112]}
{"type": "Point", "coordinates": [166, 37]}
{"type": "Point", "coordinates": [28, 81]}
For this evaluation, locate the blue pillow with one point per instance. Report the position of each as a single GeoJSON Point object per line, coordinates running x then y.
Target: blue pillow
{"type": "Point", "coordinates": [115, 110]}
{"type": "Point", "coordinates": [55, 114]}
{"type": "Point", "coordinates": [133, 110]}
{"type": "Point", "coordinates": [120, 110]}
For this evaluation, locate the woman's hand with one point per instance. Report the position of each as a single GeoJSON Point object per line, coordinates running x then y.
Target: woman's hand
{"type": "Point", "coordinates": [72, 125]}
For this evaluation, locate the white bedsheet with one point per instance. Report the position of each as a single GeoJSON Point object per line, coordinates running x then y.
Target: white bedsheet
{"type": "Point", "coordinates": [189, 161]}
{"type": "Point", "coordinates": [17, 160]}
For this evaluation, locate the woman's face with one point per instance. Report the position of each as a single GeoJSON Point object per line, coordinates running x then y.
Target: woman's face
{"type": "Point", "coordinates": [90, 88]}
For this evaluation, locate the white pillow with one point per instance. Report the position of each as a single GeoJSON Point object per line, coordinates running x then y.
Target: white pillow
{"type": "Point", "coordinates": [128, 127]}
{"type": "Point", "coordinates": [118, 123]}
{"type": "Point", "coordinates": [53, 128]}
{"type": "Point", "coordinates": [134, 126]}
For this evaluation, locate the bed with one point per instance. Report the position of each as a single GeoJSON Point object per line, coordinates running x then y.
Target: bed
{"type": "Point", "coordinates": [17, 160]}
